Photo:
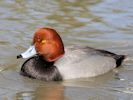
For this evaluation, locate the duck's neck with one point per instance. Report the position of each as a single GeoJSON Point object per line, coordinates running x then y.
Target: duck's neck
{"type": "Point", "coordinates": [42, 62]}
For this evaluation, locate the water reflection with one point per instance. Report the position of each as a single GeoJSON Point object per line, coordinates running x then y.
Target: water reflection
{"type": "Point", "coordinates": [50, 93]}
{"type": "Point", "coordinates": [42, 93]}
{"type": "Point", "coordinates": [24, 95]}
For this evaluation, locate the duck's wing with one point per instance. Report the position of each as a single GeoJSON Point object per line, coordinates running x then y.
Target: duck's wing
{"type": "Point", "coordinates": [77, 54]}
{"type": "Point", "coordinates": [88, 51]}
{"type": "Point", "coordinates": [85, 62]}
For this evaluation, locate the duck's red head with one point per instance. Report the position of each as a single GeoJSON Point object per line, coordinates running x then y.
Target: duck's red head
{"type": "Point", "coordinates": [48, 44]}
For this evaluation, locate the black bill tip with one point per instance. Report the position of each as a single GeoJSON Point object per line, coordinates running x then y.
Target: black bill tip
{"type": "Point", "coordinates": [19, 56]}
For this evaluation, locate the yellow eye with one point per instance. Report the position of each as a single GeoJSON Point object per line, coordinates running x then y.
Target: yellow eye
{"type": "Point", "coordinates": [43, 41]}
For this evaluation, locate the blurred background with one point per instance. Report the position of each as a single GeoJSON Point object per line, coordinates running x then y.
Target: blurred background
{"type": "Point", "coordinates": [103, 24]}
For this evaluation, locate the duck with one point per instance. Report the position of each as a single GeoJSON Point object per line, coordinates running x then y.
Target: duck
{"type": "Point", "coordinates": [48, 60]}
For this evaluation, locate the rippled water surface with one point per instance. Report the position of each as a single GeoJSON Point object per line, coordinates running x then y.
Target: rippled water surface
{"type": "Point", "coordinates": [104, 24]}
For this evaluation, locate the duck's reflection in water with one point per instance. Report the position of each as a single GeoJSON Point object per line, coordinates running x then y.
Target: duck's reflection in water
{"type": "Point", "coordinates": [42, 93]}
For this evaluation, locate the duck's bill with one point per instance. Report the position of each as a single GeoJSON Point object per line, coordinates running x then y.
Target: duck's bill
{"type": "Point", "coordinates": [28, 53]}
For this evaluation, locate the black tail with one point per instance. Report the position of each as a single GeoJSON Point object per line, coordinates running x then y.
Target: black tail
{"type": "Point", "coordinates": [119, 59]}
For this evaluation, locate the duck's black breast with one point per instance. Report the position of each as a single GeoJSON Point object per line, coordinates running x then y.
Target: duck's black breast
{"type": "Point", "coordinates": [37, 68]}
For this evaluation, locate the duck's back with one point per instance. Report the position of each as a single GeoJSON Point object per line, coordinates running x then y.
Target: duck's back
{"type": "Point", "coordinates": [86, 62]}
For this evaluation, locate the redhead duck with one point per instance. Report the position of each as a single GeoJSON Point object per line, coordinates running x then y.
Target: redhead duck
{"type": "Point", "coordinates": [48, 59]}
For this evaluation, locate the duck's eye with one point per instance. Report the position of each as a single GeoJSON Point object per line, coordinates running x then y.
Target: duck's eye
{"type": "Point", "coordinates": [43, 41]}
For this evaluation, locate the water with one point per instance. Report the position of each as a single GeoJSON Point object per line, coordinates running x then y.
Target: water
{"type": "Point", "coordinates": [104, 24]}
